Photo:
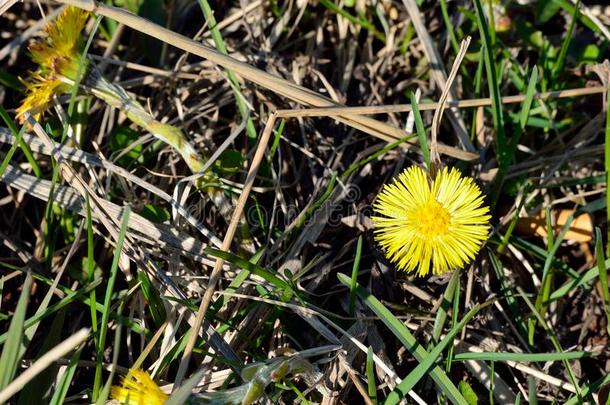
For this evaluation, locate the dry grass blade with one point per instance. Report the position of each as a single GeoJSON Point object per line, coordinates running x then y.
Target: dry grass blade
{"type": "Point", "coordinates": [468, 103]}
{"type": "Point", "coordinates": [438, 113]}
{"type": "Point", "coordinates": [5, 5]}
{"type": "Point", "coordinates": [77, 155]}
{"type": "Point", "coordinates": [153, 234]}
{"type": "Point", "coordinates": [438, 73]}
{"type": "Point", "coordinates": [17, 41]}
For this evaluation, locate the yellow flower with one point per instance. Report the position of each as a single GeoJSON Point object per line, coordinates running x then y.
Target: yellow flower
{"type": "Point", "coordinates": [431, 226]}
{"type": "Point", "coordinates": [58, 57]}
{"type": "Point", "coordinates": [40, 92]}
{"type": "Point", "coordinates": [137, 388]}
{"type": "Point", "coordinates": [63, 43]}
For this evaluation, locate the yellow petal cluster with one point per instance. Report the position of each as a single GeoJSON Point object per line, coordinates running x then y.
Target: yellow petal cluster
{"type": "Point", "coordinates": [63, 38]}
{"type": "Point", "coordinates": [137, 388]}
{"type": "Point", "coordinates": [427, 226]}
{"type": "Point", "coordinates": [57, 56]}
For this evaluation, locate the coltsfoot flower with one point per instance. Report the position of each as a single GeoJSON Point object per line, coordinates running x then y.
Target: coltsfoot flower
{"type": "Point", "coordinates": [137, 388]}
{"type": "Point", "coordinates": [58, 59]}
{"type": "Point", "coordinates": [431, 226]}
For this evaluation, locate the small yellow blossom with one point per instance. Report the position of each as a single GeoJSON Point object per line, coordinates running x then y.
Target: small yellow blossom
{"type": "Point", "coordinates": [58, 57]}
{"type": "Point", "coordinates": [40, 92]}
{"type": "Point", "coordinates": [137, 388]}
{"type": "Point", "coordinates": [431, 226]}
{"type": "Point", "coordinates": [63, 37]}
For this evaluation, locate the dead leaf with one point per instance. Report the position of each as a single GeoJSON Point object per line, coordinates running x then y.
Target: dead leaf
{"type": "Point", "coordinates": [581, 229]}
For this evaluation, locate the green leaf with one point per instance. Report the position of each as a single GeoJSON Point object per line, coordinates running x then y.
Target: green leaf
{"type": "Point", "coordinates": [589, 55]}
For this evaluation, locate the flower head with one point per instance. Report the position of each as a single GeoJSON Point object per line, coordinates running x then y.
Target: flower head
{"type": "Point", "coordinates": [58, 57]}
{"type": "Point", "coordinates": [431, 226]}
{"type": "Point", "coordinates": [137, 388]}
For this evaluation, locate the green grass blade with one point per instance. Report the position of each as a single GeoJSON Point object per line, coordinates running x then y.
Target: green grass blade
{"type": "Point", "coordinates": [355, 267]}
{"type": "Point", "coordinates": [19, 140]}
{"type": "Point", "coordinates": [522, 357]}
{"type": "Point", "coordinates": [494, 88]}
{"type": "Point", "coordinates": [181, 395]}
{"type": "Point", "coordinates": [364, 23]}
{"type": "Point", "coordinates": [585, 278]}
{"type": "Point", "coordinates": [101, 342]}
{"type": "Point", "coordinates": [529, 99]}
{"type": "Point", "coordinates": [550, 334]}
{"type": "Point", "coordinates": [454, 321]}
{"type": "Point", "coordinates": [441, 315]}
{"type": "Point", "coordinates": [105, 392]}
{"type": "Point", "coordinates": [32, 392]}
{"type": "Point", "coordinates": [559, 63]}
{"type": "Point", "coordinates": [607, 168]}
{"type": "Point", "coordinates": [91, 268]}
{"type": "Point", "coordinates": [41, 314]}
{"type": "Point", "coordinates": [251, 267]}
{"type": "Point", "coordinates": [424, 365]}
{"type": "Point", "coordinates": [586, 391]}
{"type": "Point", "coordinates": [421, 131]}
{"type": "Point", "coordinates": [508, 294]}
{"type": "Point", "coordinates": [544, 293]}
{"type": "Point", "coordinates": [66, 379]}
{"type": "Point", "coordinates": [11, 152]}
{"type": "Point", "coordinates": [235, 86]}
{"type": "Point", "coordinates": [356, 165]}
{"type": "Point", "coordinates": [532, 391]}
{"type": "Point", "coordinates": [603, 274]}
{"type": "Point", "coordinates": [569, 7]}
{"type": "Point", "coordinates": [449, 26]}
{"type": "Point", "coordinates": [370, 376]}
{"type": "Point", "coordinates": [407, 339]}
{"type": "Point", "coordinates": [9, 360]}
